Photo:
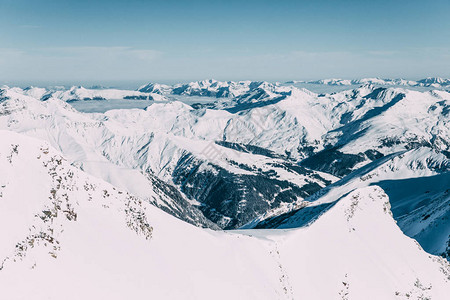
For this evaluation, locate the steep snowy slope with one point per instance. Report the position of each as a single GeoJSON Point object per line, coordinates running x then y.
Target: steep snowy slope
{"type": "Point", "coordinates": [382, 122]}
{"type": "Point", "coordinates": [297, 123]}
{"type": "Point", "coordinates": [78, 136]}
{"type": "Point", "coordinates": [69, 235]}
{"type": "Point", "coordinates": [230, 184]}
{"type": "Point", "coordinates": [237, 164]}
{"type": "Point", "coordinates": [346, 129]}
{"type": "Point", "coordinates": [417, 183]}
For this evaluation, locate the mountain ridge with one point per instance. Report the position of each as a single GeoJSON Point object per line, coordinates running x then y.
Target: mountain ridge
{"type": "Point", "coordinates": [103, 235]}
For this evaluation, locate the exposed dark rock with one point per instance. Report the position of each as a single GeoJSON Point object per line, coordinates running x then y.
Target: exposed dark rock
{"type": "Point", "coordinates": [231, 200]}
{"type": "Point", "coordinates": [373, 154]}
{"type": "Point", "coordinates": [333, 161]}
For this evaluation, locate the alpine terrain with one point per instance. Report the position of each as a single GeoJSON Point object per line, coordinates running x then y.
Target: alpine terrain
{"type": "Point", "coordinates": [325, 189]}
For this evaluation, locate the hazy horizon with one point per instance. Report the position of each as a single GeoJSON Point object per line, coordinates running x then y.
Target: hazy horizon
{"type": "Point", "coordinates": [134, 84]}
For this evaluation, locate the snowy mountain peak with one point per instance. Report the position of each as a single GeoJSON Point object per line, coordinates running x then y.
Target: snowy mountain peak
{"type": "Point", "coordinates": [435, 80]}
{"type": "Point", "coordinates": [154, 88]}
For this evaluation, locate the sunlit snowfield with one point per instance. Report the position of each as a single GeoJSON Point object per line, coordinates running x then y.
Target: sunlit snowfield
{"type": "Point", "coordinates": [288, 172]}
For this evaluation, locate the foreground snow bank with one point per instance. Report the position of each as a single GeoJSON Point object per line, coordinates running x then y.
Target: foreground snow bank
{"type": "Point", "coordinates": [68, 235]}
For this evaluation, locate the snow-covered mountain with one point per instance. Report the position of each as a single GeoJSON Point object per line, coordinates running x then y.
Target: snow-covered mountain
{"type": "Point", "coordinates": [175, 143]}
{"type": "Point", "coordinates": [73, 236]}
{"type": "Point", "coordinates": [239, 91]}
{"type": "Point", "coordinates": [155, 88]}
{"type": "Point", "coordinates": [372, 125]}
{"type": "Point", "coordinates": [213, 88]}
{"type": "Point", "coordinates": [249, 90]}
{"type": "Point", "coordinates": [364, 172]}
{"type": "Point", "coordinates": [417, 182]}
{"type": "Point", "coordinates": [435, 82]}
{"type": "Point", "coordinates": [238, 163]}
{"type": "Point", "coordinates": [79, 93]}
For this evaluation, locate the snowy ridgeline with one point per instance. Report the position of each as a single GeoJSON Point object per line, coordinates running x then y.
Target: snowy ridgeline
{"type": "Point", "coordinates": [434, 82]}
{"type": "Point", "coordinates": [213, 89]}
{"type": "Point", "coordinates": [70, 235]}
{"type": "Point", "coordinates": [346, 179]}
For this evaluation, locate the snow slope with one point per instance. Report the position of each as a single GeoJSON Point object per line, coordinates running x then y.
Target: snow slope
{"type": "Point", "coordinates": [255, 142]}
{"type": "Point", "coordinates": [70, 235]}
{"type": "Point", "coordinates": [169, 142]}
{"type": "Point", "coordinates": [380, 122]}
{"type": "Point", "coordinates": [234, 161]}
{"type": "Point", "coordinates": [417, 182]}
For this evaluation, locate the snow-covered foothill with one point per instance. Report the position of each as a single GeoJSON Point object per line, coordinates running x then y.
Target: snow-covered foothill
{"type": "Point", "coordinates": [69, 235]}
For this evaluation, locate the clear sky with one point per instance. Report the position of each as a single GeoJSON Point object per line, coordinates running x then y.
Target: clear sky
{"type": "Point", "coordinates": [97, 40]}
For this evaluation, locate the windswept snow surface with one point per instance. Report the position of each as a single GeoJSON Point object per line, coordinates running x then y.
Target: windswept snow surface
{"type": "Point", "coordinates": [327, 186]}
{"type": "Point", "coordinates": [70, 235]}
{"type": "Point", "coordinates": [418, 184]}
{"type": "Point", "coordinates": [236, 159]}
{"type": "Point", "coordinates": [169, 141]}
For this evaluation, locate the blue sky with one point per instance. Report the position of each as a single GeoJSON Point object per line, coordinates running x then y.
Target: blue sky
{"type": "Point", "coordinates": [187, 40]}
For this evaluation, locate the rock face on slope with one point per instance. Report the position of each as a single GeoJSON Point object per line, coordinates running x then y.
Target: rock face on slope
{"type": "Point", "coordinates": [176, 204]}
{"type": "Point", "coordinates": [42, 194]}
{"type": "Point", "coordinates": [231, 199]}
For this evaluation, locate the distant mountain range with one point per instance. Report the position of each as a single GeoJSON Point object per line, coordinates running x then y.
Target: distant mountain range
{"type": "Point", "coordinates": [435, 82]}
{"type": "Point", "coordinates": [243, 91]}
